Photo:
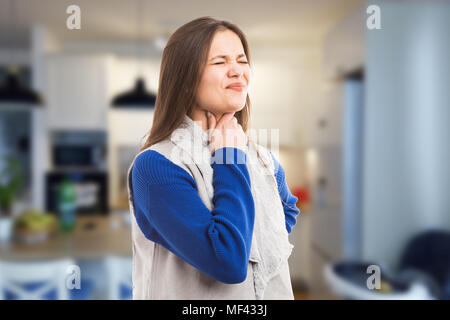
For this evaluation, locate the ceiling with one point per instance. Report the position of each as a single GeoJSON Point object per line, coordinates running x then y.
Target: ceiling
{"type": "Point", "coordinates": [263, 21]}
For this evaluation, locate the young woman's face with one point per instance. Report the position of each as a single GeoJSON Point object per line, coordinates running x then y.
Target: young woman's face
{"type": "Point", "coordinates": [226, 65]}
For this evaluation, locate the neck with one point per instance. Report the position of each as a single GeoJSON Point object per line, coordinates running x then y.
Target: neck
{"type": "Point", "coordinates": [201, 115]}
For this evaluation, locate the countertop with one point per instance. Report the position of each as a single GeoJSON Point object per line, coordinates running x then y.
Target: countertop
{"type": "Point", "coordinates": [95, 236]}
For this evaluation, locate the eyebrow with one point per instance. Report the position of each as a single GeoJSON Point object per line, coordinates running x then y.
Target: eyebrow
{"type": "Point", "coordinates": [225, 56]}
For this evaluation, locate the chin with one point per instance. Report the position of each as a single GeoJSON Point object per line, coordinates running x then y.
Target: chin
{"type": "Point", "coordinates": [236, 107]}
{"type": "Point", "coordinates": [231, 106]}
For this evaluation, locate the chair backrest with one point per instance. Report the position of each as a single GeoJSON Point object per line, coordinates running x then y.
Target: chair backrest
{"type": "Point", "coordinates": [119, 271]}
{"type": "Point", "coordinates": [34, 280]}
{"type": "Point", "coordinates": [429, 252]}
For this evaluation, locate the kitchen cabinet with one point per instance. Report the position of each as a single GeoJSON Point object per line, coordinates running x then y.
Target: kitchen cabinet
{"type": "Point", "coordinates": [327, 118]}
{"type": "Point", "coordinates": [76, 91]}
{"type": "Point", "coordinates": [127, 132]}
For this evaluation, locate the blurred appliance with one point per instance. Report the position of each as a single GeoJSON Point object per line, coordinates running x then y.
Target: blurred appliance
{"type": "Point", "coordinates": [91, 188]}
{"type": "Point", "coordinates": [81, 157]}
{"type": "Point", "coordinates": [19, 130]}
{"type": "Point", "coordinates": [79, 150]}
{"type": "Point", "coordinates": [16, 137]}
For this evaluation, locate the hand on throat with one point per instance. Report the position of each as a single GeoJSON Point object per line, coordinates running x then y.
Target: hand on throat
{"type": "Point", "coordinates": [202, 116]}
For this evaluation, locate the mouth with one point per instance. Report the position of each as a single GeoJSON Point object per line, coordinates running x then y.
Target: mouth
{"type": "Point", "coordinates": [236, 87]}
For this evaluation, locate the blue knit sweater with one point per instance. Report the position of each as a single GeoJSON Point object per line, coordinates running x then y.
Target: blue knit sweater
{"type": "Point", "coordinates": [170, 212]}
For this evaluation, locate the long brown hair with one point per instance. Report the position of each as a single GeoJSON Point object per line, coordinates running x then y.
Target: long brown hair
{"type": "Point", "coordinates": [182, 65]}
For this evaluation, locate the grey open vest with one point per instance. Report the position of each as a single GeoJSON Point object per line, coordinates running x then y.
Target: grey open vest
{"type": "Point", "coordinates": [160, 274]}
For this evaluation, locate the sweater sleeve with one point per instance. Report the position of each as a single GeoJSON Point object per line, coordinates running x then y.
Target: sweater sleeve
{"type": "Point", "coordinates": [289, 201]}
{"type": "Point", "coordinates": [170, 212]}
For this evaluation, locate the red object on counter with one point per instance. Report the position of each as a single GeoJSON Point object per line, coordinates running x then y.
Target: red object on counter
{"type": "Point", "coordinates": [302, 193]}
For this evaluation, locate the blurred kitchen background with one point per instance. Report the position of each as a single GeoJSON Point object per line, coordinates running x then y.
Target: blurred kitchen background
{"type": "Point", "coordinates": [363, 118]}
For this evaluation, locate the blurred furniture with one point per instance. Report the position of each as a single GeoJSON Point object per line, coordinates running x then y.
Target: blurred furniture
{"type": "Point", "coordinates": [34, 280]}
{"type": "Point", "coordinates": [423, 272]}
{"type": "Point", "coordinates": [428, 254]}
{"type": "Point", "coordinates": [94, 236]}
{"type": "Point", "coordinates": [91, 186]}
{"type": "Point", "coordinates": [349, 280]}
{"type": "Point", "coordinates": [119, 271]}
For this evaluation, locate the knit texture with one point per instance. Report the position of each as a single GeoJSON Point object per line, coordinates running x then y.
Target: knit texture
{"type": "Point", "coordinates": [288, 200]}
{"type": "Point", "coordinates": [170, 212]}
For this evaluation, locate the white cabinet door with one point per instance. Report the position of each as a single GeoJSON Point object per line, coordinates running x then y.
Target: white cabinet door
{"type": "Point", "coordinates": [76, 91]}
{"type": "Point", "coordinates": [127, 132]}
{"type": "Point", "coordinates": [327, 118]}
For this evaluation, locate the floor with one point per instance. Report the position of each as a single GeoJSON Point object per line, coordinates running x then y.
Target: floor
{"type": "Point", "coordinates": [303, 295]}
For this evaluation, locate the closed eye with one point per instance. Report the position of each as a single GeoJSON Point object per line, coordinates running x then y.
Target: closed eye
{"type": "Point", "coordinates": [245, 62]}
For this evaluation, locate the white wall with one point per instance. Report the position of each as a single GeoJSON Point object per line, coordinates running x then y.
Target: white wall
{"type": "Point", "coordinates": [407, 154]}
{"type": "Point", "coordinates": [285, 87]}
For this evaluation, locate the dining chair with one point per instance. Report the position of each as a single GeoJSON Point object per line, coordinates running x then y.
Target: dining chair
{"type": "Point", "coordinates": [36, 280]}
{"type": "Point", "coordinates": [119, 270]}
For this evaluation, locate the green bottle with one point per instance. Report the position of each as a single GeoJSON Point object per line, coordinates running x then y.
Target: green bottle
{"type": "Point", "coordinates": [67, 205]}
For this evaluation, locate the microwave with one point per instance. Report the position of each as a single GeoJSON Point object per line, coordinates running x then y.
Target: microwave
{"type": "Point", "coordinates": [91, 190]}
{"type": "Point", "coordinates": [87, 156]}
{"type": "Point", "coordinates": [78, 149]}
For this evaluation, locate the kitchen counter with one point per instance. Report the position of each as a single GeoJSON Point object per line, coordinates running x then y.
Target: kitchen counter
{"type": "Point", "coordinates": [95, 236]}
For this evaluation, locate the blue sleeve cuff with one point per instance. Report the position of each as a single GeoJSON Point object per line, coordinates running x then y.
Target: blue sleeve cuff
{"type": "Point", "coordinates": [229, 155]}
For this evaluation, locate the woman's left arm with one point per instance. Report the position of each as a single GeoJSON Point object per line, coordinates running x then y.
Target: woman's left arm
{"type": "Point", "coordinates": [288, 200]}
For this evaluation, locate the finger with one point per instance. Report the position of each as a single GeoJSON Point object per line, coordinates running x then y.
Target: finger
{"type": "Point", "coordinates": [211, 121]}
{"type": "Point", "coordinates": [225, 117]}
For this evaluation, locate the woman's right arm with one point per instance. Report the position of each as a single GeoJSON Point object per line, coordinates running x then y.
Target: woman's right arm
{"type": "Point", "coordinates": [170, 212]}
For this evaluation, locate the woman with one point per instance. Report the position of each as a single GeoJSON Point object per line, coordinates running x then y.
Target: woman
{"type": "Point", "coordinates": [210, 208]}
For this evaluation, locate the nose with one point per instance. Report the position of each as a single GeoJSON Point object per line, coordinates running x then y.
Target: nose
{"type": "Point", "coordinates": [235, 70]}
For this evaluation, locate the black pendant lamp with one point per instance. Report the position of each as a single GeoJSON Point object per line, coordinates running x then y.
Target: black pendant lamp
{"type": "Point", "coordinates": [11, 91]}
{"type": "Point", "coordinates": [138, 97]}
